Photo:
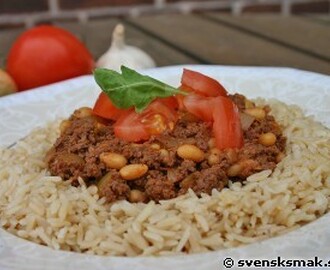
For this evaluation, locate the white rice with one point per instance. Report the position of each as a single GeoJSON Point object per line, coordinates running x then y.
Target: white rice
{"type": "Point", "coordinates": [46, 210]}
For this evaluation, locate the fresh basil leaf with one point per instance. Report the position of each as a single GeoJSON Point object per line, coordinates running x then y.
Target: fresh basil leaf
{"type": "Point", "coordinates": [132, 89]}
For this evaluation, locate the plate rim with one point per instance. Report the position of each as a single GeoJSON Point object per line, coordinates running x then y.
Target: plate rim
{"type": "Point", "coordinates": [9, 100]}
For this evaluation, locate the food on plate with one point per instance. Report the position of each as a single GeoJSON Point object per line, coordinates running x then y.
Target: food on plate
{"type": "Point", "coordinates": [120, 53]}
{"type": "Point", "coordinates": [162, 151]}
{"type": "Point", "coordinates": [69, 213]}
{"type": "Point", "coordinates": [47, 54]}
{"type": "Point", "coordinates": [7, 85]}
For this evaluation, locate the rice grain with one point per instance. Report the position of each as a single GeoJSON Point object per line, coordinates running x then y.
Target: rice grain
{"type": "Point", "coordinates": [46, 210]}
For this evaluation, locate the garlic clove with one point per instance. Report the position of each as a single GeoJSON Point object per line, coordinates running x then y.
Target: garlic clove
{"type": "Point", "coordinates": [118, 37]}
{"type": "Point", "coordinates": [121, 54]}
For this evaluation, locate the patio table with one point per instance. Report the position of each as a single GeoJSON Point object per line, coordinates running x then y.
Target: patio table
{"type": "Point", "coordinates": [301, 42]}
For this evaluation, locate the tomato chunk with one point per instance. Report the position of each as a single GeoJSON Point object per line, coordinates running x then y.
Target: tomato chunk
{"type": "Point", "coordinates": [159, 107]}
{"type": "Point", "coordinates": [103, 107]}
{"type": "Point", "coordinates": [226, 126]}
{"type": "Point", "coordinates": [225, 117]}
{"type": "Point", "coordinates": [202, 107]}
{"type": "Point", "coordinates": [207, 100]}
{"type": "Point", "coordinates": [170, 102]}
{"type": "Point", "coordinates": [201, 84]}
{"type": "Point", "coordinates": [135, 127]}
{"type": "Point", "coordinates": [129, 127]}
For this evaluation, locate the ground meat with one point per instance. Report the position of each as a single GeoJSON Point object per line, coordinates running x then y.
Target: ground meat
{"type": "Point", "coordinates": [160, 189]}
{"type": "Point", "coordinates": [262, 126]}
{"type": "Point", "coordinates": [183, 170]}
{"type": "Point", "coordinates": [204, 181]}
{"type": "Point", "coordinates": [143, 154]}
{"type": "Point", "coordinates": [239, 100]}
{"type": "Point", "coordinates": [67, 165]}
{"type": "Point", "coordinates": [79, 136]}
{"type": "Point", "coordinates": [199, 131]}
{"type": "Point", "coordinates": [116, 189]}
{"type": "Point", "coordinates": [77, 153]}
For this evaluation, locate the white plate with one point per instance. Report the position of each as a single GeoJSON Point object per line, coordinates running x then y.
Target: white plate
{"type": "Point", "coordinates": [20, 113]}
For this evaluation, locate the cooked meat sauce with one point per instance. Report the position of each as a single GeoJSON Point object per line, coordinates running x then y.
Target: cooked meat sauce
{"type": "Point", "coordinates": [166, 165]}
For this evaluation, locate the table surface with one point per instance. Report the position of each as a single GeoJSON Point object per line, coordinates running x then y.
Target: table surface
{"type": "Point", "coordinates": [211, 38]}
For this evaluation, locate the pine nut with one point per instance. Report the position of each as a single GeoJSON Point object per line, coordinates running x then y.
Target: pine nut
{"type": "Point", "coordinates": [267, 139]}
{"type": "Point", "coordinates": [163, 153]}
{"type": "Point", "coordinates": [257, 113]}
{"type": "Point", "coordinates": [64, 125]}
{"type": "Point", "coordinates": [103, 183]}
{"type": "Point", "coordinates": [155, 146]}
{"type": "Point", "coordinates": [191, 152]}
{"type": "Point", "coordinates": [211, 143]}
{"type": "Point", "coordinates": [113, 160]}
{"type": "Point", "coordinates": [83, 112]}
{"type": "Point", "coordinates": [189, 180]}
{"type": "Point", "coordinates": [133, 171]}
{"type": "Point", "coordinates": [136, 196]}
{"type": "Point", "coordinates": [234, 170]}
{"type": "Point", "coordinates": [213, 159]}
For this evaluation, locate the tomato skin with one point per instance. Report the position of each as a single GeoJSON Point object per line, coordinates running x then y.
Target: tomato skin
{"type": "Point", "coordinates": [185, 87]}
{"type": "Point", "coordinates": [129, 127]}
{"type": "Point", "coordinates": [225, 117]}
{"type": "Point", "coordinates": [134, 127]}
{"type": "Point", "coordinates": [211, 104]}
{"type": "Point", "coordinates": [179, 98]}
{"type": "Point", "coordinates": [202, 107]}
{"type": "Point", "coordinates": [170, 102]}
{"type": "Point", "coordinates": [166, 106]}
{"type": "Point", "coordinates": [201, 84]}
{"type": "Point", "coordinates": [47, 54]}
{"type": "Point", "coordinates": [226, 126]}
{"type": "Point", "coordinates": [160, 107]}
{"type": "Point", "coordinates": [103, 107]}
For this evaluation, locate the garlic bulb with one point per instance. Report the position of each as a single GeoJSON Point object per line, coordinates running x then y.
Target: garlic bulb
{"type": "Point", "coordinates": [121, 54]}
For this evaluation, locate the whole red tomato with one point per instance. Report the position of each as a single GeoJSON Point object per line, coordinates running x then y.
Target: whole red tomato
{"type": "Point", "coordinates": [47, 54]}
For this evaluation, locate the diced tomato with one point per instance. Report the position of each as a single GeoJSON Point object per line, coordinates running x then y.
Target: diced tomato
{"type": "Point", "coordinates": [226, 126]}
{"type": "Point", "coordinates": [103, 107]}
{"type": "Point", "coordinates": [225, 117]}
{"type": "Point", "coordinates": [179, 98]}
{"type": "Point", "coordinates": [202, 107]}
{"type": "Point", "coordinates": [186, 88]}
{"type": "Point", "coordinates": [158, 106]}
{"type": "Point", "coordinates": [154, 120]}
{"type": "Point", "coordinates": [170, 102]}
{"type": "Point", "coordinates": [129, 127]}
{"type": "Point", "coordinates": [201, 84]}
{"type": "Point", "coordinates": [207, 100]}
